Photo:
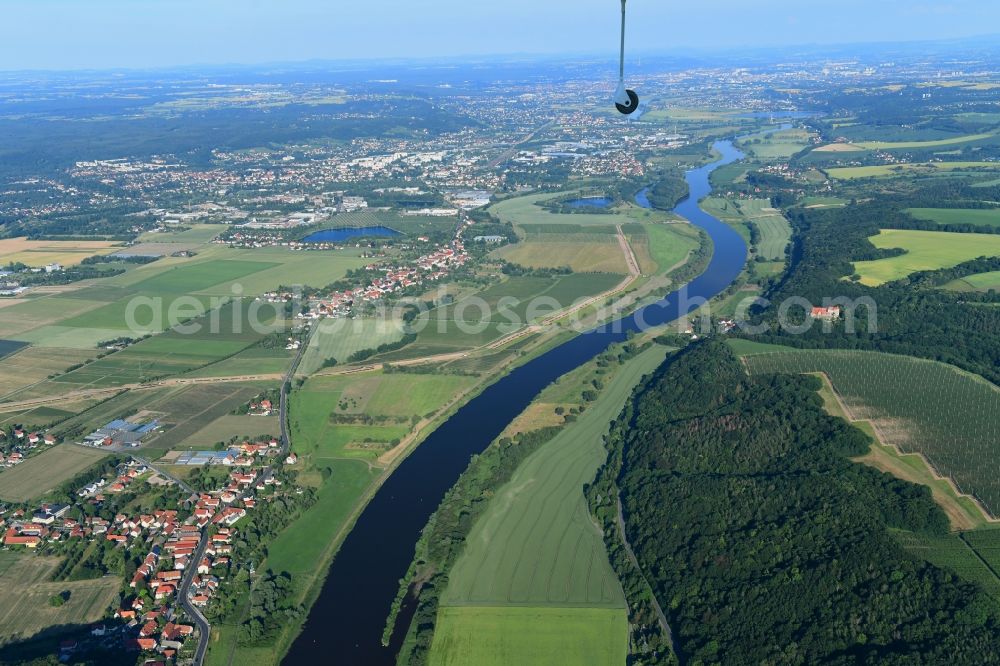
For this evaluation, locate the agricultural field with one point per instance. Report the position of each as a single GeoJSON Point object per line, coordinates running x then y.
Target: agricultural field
{"type": "Point", "coordinates": [926, 168]}
{"type": "Point", "coordinates": [31, 365]}
{"type": "Point", "coordinates": [986, 543]}
{"type": "Point", "coordinates": [777, 145]}
{"type": "Point", "coordinates": [142, 300]}
{"type": "Point", "coordinates": [978, 282]}
{"type": "Point", "coordinates": [219, 335]}
{"type": "Point", "coordinates": [950, 417]}
{"type": "Point", "coordinates": [839, 148]}
{"type": "Point", "coordinates": [251, 361]}
{"type": "Point", "coordinates": [186, 411]}
{"type": "Point", "coordinates": [482, 317]}
{"type": "Point", "coordinates": [661, 247]}
{"type": "Point", "coordinates": [482, 636]}
{"type": "Point", "coordinates": [952, 552]}
{"type": "Point", "coordinates": [900, 145]}
{"type": "Point", "coordinates": [25, 590]}
{"type": "Point", "coordinates": [581, 252]}
{"type": "Point", "coordinates": [224, 428]}
{"type": "Point", "coordinates": [43, 472]}
{"type": "Point", "coordinates": [537, 544]}
{"type": "Point", "coordinates": [986, 217]}
{"type": "Point", "coordinates": [774, 230]}
{"type": "Point", "coordinates": [925, 250]}
{"type": "Point", "coordinates": [337, 339]}
{"type": "Point", "coordinates": [37, 253]}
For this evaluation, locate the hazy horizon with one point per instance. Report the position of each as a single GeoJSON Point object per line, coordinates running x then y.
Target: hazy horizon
{"type": "Point", "coordinates": [121, 34]}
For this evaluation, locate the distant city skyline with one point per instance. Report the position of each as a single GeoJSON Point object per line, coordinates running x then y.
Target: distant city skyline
{"type": "Point", "coordinates": [72, 34]}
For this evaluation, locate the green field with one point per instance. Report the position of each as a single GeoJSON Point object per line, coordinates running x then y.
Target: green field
{"type": "Point", "coordinates": [774, 230]}
{"type": "Point", "coordinates": [251, 361]}
{"type": "Point", "coordinates": [43, 472]}
{"type": "Point", "coordinates": [897, 145]}
{"type": "Point", "coordinates": [537, 543]}
{"type": "Point", "coordinates": [978, 282]}
{"type": "Point", "coordinates": [477, 636]}
{"type": "Point", "coordinates": [925, 251]}
{"type": "Point", "coordinates": [479, 318]}
{"type": "Point", "coordinates": [142, 300]}
{"type": "Point", "coordinates": [851, 173]}
{"type": "Point", "coordinates": [918, 406]}
{"type": "Point", "coordinates": [986, 217]}
{"type": "Point", "coordinates": [776, 145]}
{"type": "Point", "coordinates": [339, 338]}
{"type": "Point", "coordinates": [987, 544]}
{"type": "Point", "coordinates": [580, 252]}
{"type": "Point", "coordinates": [662, 246]}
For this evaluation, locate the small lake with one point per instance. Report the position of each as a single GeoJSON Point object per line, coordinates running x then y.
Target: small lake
{"type": "Point", "coordinates": [8, 347]}
{"type": "Point", "coordinates": [642, 197]}
{"type": "Point", "coordinates": [347, 233]}
{"type": "Point", "coordinates": [590, 202]}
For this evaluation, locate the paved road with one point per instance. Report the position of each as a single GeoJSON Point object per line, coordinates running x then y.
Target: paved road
{"type": "Point", "coordinates": [204, 628]}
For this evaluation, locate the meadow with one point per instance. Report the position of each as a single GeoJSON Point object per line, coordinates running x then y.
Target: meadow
{"type": "Point", "coordinates": [661, 247]}
{"type": "Point", "coordinates": [925, 250]}
{"type": "Point", "coordinates": [536, 544]}
{"type": "Point", "coordinates": [25, 590]}
{"type": "Point", "coordinates": [43, 472]}
{"type": "Point", "coordinates": [899, 145]}
{"type": "Point", "coordinates": [977, 282]}
{"type": "Point", "coordinates": [775, 232]}
{"type": "Point", "coordinates": [880, 171]}
{"type": "Point", "coordinates": [917, 406]}
{"type": "Point", "coordinates": [481, 636]}
{"type": "Point", "coordinates": [987, 217]}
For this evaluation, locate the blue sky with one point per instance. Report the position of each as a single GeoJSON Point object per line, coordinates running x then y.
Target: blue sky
{"type": "Point", "coordinates": [59, 34]}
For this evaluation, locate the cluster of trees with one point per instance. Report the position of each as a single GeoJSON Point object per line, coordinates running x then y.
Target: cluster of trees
{"type": "Point", "coordinates": [910, 319]}
{"type": "Point", "coordinates": [271, 609]}
{"type": "Point", "coordinates": [383, 348]}
{"type": "Point", "coordinates": [764, 542]}
{"type": "Point", "coordinates": [669, 190]}
{"type": "Point", "coordinates": [517, 270]}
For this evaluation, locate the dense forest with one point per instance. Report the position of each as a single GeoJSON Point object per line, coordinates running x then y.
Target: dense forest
{"type": "Point", "coordinates": [669, 190]}
{"type": "Point", "coordinates": [911, 318]}
{"type": "Point", "coordinates": [763, 542]}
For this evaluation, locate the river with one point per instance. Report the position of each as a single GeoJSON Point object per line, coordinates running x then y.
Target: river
{"type": "Point", "coordinates": [345, 624]}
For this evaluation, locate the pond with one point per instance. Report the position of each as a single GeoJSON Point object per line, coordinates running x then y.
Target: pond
{"type": "Point", "coordinates": [590, 202]}
{"type": "Point", "coordinates": [347, 233]}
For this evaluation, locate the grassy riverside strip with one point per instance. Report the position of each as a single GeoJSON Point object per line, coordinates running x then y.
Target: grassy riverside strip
{"type": "Point", "coordinates": [444, 539]}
